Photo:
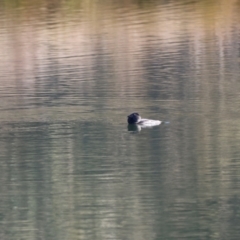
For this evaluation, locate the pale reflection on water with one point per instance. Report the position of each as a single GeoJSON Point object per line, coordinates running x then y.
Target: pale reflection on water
{"type": "Point", "coordinates": [71, 167]}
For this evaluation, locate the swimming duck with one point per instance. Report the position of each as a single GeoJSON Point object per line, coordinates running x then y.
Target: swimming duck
{"type": "Point", "coordinates": [135, 118]}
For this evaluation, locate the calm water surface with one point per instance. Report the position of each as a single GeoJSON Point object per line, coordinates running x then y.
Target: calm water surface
{"type": "Point", "coordinates": [71, 72]}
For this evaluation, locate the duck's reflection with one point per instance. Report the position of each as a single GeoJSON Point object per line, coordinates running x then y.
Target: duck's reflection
{"type": "Point", "coordinates": [134, 128]}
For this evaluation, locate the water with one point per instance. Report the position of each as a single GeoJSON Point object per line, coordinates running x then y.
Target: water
{"type": "Point", "coordinates": [71, 72]}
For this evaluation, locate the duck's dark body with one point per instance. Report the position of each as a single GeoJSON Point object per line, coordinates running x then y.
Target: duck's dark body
{"type": "Point", "coordinates": [135, 118]}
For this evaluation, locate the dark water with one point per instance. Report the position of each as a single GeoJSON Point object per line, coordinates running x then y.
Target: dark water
{"type": "Point", "coordinates": [71, 72]}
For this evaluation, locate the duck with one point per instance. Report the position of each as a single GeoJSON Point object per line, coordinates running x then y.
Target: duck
{"type": "Point", "coordinates": [135, 118]}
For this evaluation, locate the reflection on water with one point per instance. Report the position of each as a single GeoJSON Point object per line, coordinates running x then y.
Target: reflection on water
{"type": "Point", "coordinates": [134, 128]}
{"type": "Point", "coordinates": [71, 167]}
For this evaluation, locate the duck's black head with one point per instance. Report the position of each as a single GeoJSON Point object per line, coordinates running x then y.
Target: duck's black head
{"type": "Point", "coordinates": [133, 118]}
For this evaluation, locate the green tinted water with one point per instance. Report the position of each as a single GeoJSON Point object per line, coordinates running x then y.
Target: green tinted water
{"type": "Point", "coordinates": [71, 73]}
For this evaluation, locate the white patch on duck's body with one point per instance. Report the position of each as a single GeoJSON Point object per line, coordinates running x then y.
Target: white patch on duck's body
{"type": "Point", "coordinates": [148, 122]}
